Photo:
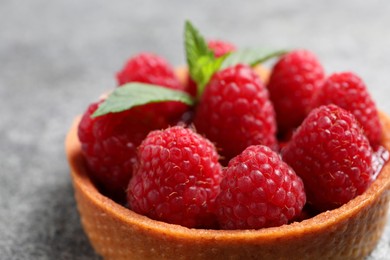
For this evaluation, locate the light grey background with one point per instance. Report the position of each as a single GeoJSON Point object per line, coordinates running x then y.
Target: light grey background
{"type": "Point", "coordinates": [58, 56]}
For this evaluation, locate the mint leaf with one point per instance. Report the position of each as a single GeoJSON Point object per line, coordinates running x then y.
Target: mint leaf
{"type": "Point", "coordinates": [252, 57]}
{"type": "Point", "coordinates": [136, 94]}
{"type": "Point", "coordinates": [206, 68]}
{"type": "Point", "coordinates": [195, 46]}
{"type": "Point", "coordinates": [201, 61]}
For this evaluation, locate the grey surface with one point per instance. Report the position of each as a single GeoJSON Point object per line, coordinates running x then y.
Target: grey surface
{"type": "Point", "coordinates": [57, 56]}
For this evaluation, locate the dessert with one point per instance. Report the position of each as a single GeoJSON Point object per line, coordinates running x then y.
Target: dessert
{"type": "Point", "coordinates": [177, 206]}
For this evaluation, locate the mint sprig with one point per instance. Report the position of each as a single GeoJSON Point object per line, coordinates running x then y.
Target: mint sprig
{"type": "Point", "coordinates": [195, 46]}
{"type": "Point", "coordinates": [202, 63]}
{"type": "Point", "coordinates": [201, 60]}
{"type": "Point", "coordinates": [136, 94]}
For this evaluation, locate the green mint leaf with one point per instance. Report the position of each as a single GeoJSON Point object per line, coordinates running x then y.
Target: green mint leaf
{"type": "Point", "coordinates": [201, 61]}
{"type": "Point", "coordinates": [252, 57]}
{"type": "Point", "coordinates": [136, 94]}
{"type": "Point", "coordinates": [195, 46]}
{"type": "Point", "coordinates": [205, 70]}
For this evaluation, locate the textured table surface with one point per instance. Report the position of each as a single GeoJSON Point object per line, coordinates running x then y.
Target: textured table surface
{"type": "Point", "coordinates": [57, 56]}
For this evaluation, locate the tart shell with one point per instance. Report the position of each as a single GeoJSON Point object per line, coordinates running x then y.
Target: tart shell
{"type": "Point", "coordinates": [349, 232]}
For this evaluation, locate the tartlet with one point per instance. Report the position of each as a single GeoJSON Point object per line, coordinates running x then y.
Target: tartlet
{"type": "Point", "coordinates": [349, 232]}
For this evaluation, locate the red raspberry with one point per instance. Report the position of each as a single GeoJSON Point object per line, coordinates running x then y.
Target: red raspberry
{"type": "Point", "coordinates": [152, 69]}
{"type": "Point", "coordinates": [259, 190]}
{"type": "Point", "coordinates": [235, 112]}
{"type": "Point", "coordinates": [294, 80]}
{"type": "Point", "coordinates": [109, 142]}
{"type": "Point", "coordinates": [176, 178]}
{"type": "Point", "coordinates": [332, 156]}
{"type": "Point", "coordinates": [348, 91]}
{"type": "Point", "coordinates": [219, 48]}
{"type": "Point", "coordinates": [109, 145]}
{"type": "Point", "coordinates": [148, 68]}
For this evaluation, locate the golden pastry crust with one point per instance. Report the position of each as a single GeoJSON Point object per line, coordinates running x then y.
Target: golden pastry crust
{"type": "Point", "coordinates": [349, 232]}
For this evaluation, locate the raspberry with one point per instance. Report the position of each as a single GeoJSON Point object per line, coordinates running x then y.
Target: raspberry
{"type": "Point", "coordinates": [109, 145]}
{"type": "Point", "coordinates": [219, 48]}
{"type": "Point", "coordinates": [294, 80]}
{"type": "Point", "coordinates": [152, 69]}
{"type": "Point", "coordinates": [176, 179]}
{"type": "Point", "coordinates": [348, 91]}
{"type": "Point", "coordinates": [148, 68]}
{"type": "Point", "coordinates": [259, 190]}
{"type": "Point", "coordinates": [331, 154]}
{"type": "Point", "coordinates": [235, 112]}
{"type": "Point", "coordinates": [109, 142]}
